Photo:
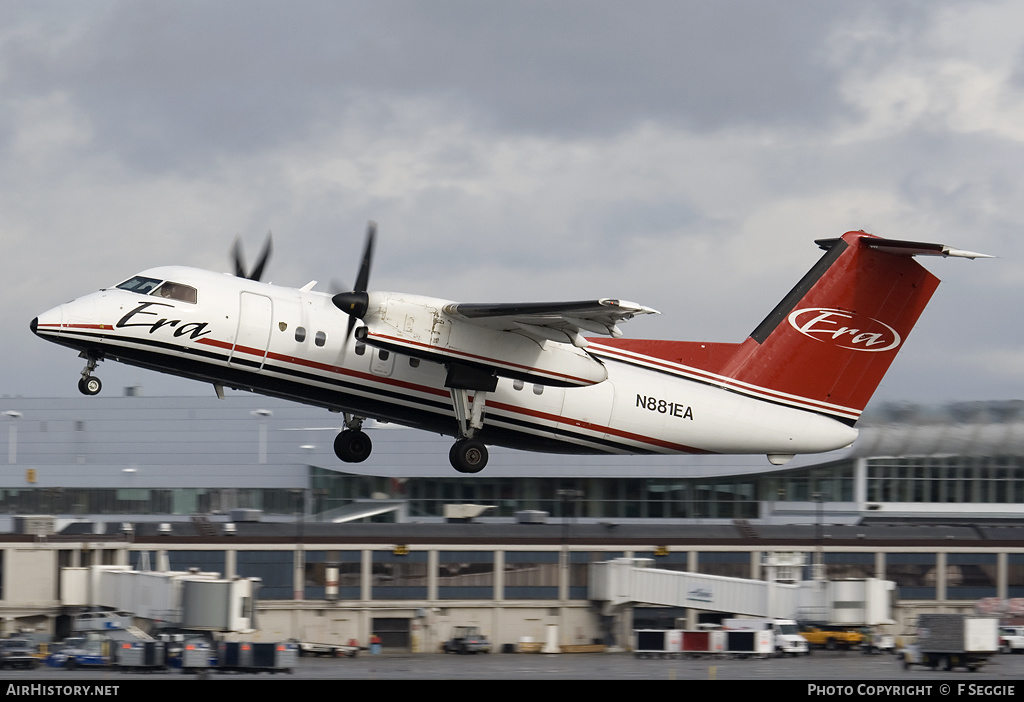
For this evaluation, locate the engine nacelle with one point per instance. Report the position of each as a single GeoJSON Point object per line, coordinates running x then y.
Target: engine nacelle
{"type": "Point", "coordinates": [418, 326]}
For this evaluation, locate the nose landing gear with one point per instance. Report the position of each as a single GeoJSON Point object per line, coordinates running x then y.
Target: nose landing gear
{"type": "Point", "coordinates": [89, 384]}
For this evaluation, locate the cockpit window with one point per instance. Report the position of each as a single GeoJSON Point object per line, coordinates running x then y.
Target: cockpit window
{"type": "Point", "coordinates": [159, 288]}
{"type": "Point", "coordinates": [140, 285]}
{"type": "Point", "coordinates": [176, 291]}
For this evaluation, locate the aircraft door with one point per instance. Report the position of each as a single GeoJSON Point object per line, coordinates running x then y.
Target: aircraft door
{"type": "Point", "coordinates": [255, 318]}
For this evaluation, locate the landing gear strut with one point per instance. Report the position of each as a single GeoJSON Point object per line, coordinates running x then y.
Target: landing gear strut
{"type": "Point", "coordinates": [469, 454]}
{"type": "Point", "coordinates": [353, 445]}
{"type": "Point", "coordinates": [89, 384]}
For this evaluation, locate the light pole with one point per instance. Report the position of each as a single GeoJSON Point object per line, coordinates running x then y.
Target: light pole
{"type": "Point", "coordinates": [12, 436]}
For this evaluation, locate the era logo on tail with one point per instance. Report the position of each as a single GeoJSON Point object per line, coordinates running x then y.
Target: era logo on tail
{"type": "Point", "coordinates": [846, 330]}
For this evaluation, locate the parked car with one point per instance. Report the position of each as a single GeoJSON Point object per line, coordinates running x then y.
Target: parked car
{"type": "Point", "coordinates": [17, 653]}
{"type": "Point", "coordinates": [467, 639]}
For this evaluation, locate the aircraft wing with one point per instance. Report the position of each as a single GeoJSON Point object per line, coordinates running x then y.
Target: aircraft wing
{"type": "Point", "coordinates": [542, 318]}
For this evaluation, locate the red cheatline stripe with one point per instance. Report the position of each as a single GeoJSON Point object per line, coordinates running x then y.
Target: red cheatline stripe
{"type": "Point", "coordinates": [746, 388]}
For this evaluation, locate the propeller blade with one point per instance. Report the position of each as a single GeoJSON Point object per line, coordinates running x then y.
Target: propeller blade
{"type": "Point", "coordinates": [268, 247]}
{"type": "Point", "coordinates": [239, 259]}
{"type": "Point", "coordinates": [355, 303]}
{"type": "Point", "coordinates": [363, 279]}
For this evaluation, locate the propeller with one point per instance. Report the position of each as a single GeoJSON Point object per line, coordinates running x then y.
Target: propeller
{"type": "Point", "coordinates": [239, 258]}
{"type": "Point", "coordinates": [356, 302]}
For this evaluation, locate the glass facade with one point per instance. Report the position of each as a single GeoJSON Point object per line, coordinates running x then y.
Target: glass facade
{"type": "Point", "coordinates": [848, 565]}
{"type": "Point", "coordinates": [531, 575]}
{"type": "Point", "coordinates": [274, 568]}
{"type": "Point", "coordinates": [970, 576]}
{"type": "Point", "coordinates": [399, 576]}
{"type": "Point", "coordinates": [913, 573]}
{"type": "Point", "coordinates": [997, 480]}
{"type": "Point", "coordinates": [600, 498]}
{"type": "Point", "coordinates": [947, 479]}
{"type": "Point", "coordinates": [465, 575]}
{"type": "Point", "coordinates": [733, 564]}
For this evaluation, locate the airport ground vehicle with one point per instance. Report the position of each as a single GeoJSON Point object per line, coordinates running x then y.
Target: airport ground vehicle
{"type": "Point", "coordinates": [788, 640]}
{"type": "Point", "coordinates": [1011, 639]}
{"type": "Point", "coordinates": [310, 648]}
{"type": "Point", "coordinates": [467, 639]}
{"type": "Point", "coordinates": [17, 653]}
{"type": "Point", "coordinates": [832, 637]}
{"type": "Point", "coordinates": [257, 656]}
{"type": "Point", "coordinates": [82, 652]}
{"type": "Point", "coordinates": [948, 641]}
{"type": "Point", "coordinates": [877, 642]}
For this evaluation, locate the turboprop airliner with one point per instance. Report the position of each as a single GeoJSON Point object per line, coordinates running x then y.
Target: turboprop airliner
{"type": "Point", "coordinates": [528, 376]}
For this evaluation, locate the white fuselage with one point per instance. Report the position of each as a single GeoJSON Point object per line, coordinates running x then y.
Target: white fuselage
{"type": "Point", "coordinates": [293, 343]}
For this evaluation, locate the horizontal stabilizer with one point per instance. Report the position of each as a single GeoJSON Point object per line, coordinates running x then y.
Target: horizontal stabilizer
{"type": "Point", "coordinates": [908, 248]}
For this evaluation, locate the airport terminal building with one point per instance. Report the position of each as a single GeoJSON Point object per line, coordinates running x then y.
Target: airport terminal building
{"type": "Point", "coordinates": [249, 486]}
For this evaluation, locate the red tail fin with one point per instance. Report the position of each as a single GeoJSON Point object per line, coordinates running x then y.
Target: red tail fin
{"type": "Point", "coordinates": [828, 343]}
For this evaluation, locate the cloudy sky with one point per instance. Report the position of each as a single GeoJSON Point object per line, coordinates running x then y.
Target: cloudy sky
{"type": "Point", "coordinates": [680, 154]}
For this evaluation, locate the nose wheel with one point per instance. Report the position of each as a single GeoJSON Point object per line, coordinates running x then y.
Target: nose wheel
{"type": "Point", "coordinates": [89, 384]}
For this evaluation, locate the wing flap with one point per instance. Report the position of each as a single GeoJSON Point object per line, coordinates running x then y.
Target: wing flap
{"type": "Point", "coordinates": [597, 316]}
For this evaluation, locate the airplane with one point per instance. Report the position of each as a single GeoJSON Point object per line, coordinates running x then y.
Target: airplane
{"type": "Point", "coordinates": [523, 375]}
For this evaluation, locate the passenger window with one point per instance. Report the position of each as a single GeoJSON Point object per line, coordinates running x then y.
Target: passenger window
{"type": "Point", "coordinates": [383, 354]}
{"type": "Point", "coordinates": [538, 389]}
{"type": "Point", "coordinates": [300, 334]}
{"type": "Point", "coordinates": [320, 338]}
{"type": "Point", "coordinates": [414, 362]}
{"type": "Point", "coordinates": [517, 384]}
{"type": "Point", "coordinates": [360, 348]}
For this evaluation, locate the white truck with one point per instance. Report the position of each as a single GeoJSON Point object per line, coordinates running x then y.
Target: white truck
{"type": "Point", "coordinates": [948, 641]}
{"type": "Point", "coordinates": [1011, 639]}
{"type": "Point", "coordinates": [788, 641]}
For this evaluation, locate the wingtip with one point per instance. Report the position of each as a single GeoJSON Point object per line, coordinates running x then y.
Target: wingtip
{"type": "Point", "coordinates": [949, 251]}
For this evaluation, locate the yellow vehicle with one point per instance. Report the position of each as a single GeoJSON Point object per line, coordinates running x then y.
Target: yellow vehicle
{"type": "Point", "coordinates": [832, 637]}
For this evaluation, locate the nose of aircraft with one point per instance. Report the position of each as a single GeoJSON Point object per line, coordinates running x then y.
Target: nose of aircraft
{"type": "Point", "coordinates": [48, 323]}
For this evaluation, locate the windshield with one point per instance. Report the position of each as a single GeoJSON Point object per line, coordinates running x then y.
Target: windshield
{"type": "Point", "coordinates": [788, 630]}
{"type": "Point", "coordinates": [140, 285]}
{"type": "Point", "coordinates": [159, 288]}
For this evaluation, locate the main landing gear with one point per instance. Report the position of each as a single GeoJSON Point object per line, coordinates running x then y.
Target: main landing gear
{"type": "Point", "coordinates": [89, 384]}
{"type": "Point", "coordinates": [468, 454]}
{"type": "Point", "coordinates": [353, 445]}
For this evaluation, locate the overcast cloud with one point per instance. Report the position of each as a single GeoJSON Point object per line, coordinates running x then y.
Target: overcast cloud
{"type": "Point", "coordinates": [684, 155]}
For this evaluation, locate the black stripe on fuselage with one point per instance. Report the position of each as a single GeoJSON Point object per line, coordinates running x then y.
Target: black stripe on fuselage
{"type": "Point", "coordinates": [431, 415]}
{"type": "Point", "coordinates": [682, 375]}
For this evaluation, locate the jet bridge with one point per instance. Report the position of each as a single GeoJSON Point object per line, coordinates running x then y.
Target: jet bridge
{"type": "Point", "coordinates": [632, 580]}
{"type": "Point", "coordinates": [848, 602]}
